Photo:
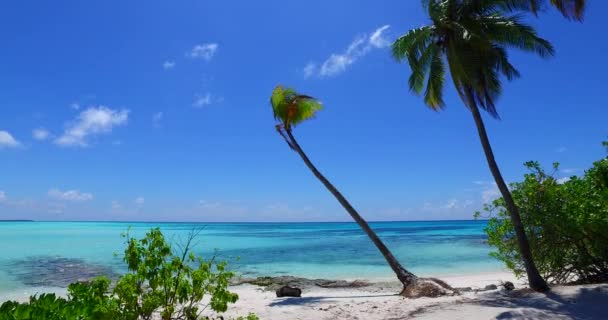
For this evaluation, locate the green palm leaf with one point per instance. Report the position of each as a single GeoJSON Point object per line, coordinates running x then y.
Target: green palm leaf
{"type": "Point", "coordinates": [433, 95]}
{"type": "Point", "coordinates": [291, 108]}
{"type": "Point", "coordinates": [571, 9]}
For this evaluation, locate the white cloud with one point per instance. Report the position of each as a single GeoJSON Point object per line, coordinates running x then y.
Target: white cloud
{"type": "Point", "coordinates": [92, 121]}
{"type": "Point", "coordinates": [285, 210]}
{"type": "Point", "coordinates": [168, 65]}
{"type": "Point", "coordinates": [490, 194]}
{"type": "Point", "coordinates": [489, 191]}
{"type": "Point", "coordinates": [204, 51]}
{"type": "Point", "coordinates": [310, 69]}
{"type": "Point", "coordinates": [2, 196]}
{"type": "Point", "coordinates": [378, 39]}
{"type": "Point", "coordinates": [69, 195]}
{"type": "Point", "coordinates": [40, 134]}
{"type": "Point", "coordinates": [157, 118]}
{"type": "Point", "coordinates": [561, 149]}
{"type": "Point", "coordinates": [56, 208]}
{"type": "Point", "coordinates": [7, 140]}
{"type": "Point", "coordinates": [209, 204]}
{"type": "Point", "coordinates": [115, 205]}
{"type": "Point", "coordinates": [75, 106]}
{"type": "Point", "coordinates": [140, 201]}
{"type": "Point", "coordinates": [221, 209]}
{"type": "Point", "coordinates": [452, 203]}
{"type": "Point", "coordinates": [449, 206]}
{"type": "Point", "coordinates": [339, 62]}
{"type": "Point", "coordinates": [570, 170]}
{"type": "Point", "coordinates": [202, 100]}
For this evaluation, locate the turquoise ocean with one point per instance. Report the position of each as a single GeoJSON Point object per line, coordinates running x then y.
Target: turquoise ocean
{"type": "Point", "coordinates": [312, 250]}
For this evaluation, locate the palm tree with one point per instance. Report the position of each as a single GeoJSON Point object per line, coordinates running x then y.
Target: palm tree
{"type": "Point", "coordinates": [571, 9]}
{"type": "Point", "coordinates": [472, 38]}
{"type": "Point", "coordinates": [290, 109]}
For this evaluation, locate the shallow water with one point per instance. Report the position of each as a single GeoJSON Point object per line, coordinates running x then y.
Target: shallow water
{"type": "Point", "coordinates": [313, 250]}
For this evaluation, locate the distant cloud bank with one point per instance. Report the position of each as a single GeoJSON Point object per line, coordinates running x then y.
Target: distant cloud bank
{"type": "Point", "coordinates": [69, 195]}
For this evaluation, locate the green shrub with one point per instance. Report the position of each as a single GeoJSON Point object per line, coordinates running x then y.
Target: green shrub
{"type": "Point", "coordinates": [45, 306]}
{"type": "Point", "coordinates": [566, 223]}
{"type": "Point", "coordinates": [85, 301]}
{"type": "Point", "coordinates": [161, 280]}
{"type": "Point", "coordinates": [250, 316]}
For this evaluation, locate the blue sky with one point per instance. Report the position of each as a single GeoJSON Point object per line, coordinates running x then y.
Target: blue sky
{"type": "Point", "coordinates": [157, 110]}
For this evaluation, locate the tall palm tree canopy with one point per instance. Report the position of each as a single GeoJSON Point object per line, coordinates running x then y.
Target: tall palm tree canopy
{"type": "Point", "coordinates": [568, 8]}
{"type": "Point", "coordinates": [472, 37]}
{"type": "Point", "coordinates": [571, 9]}
{"type": "Point", "coordinates": [292, 108]}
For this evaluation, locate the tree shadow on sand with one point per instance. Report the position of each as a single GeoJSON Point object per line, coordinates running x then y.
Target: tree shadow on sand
{"type": "Point", "coordinates": [320, 299]}
{"type": "Point", "coordinates": [587, 303]}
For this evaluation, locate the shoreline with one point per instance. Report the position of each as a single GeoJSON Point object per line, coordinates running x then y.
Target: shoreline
{"type": "Point", "coordinates": [380, 301]}
{"type": "Point", "coordinates": [474, 281]}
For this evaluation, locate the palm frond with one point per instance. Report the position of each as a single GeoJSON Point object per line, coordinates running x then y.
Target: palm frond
{"type": "Point", "coordinates": [420, 68]}
{"type": "Point", "coordinates": [487, 89]}
{"type": "Point", "coordinates": [433, 95]}
{"type": "Point", "coordinates": [291, 108]}
{"type": "Point", "coordinates": [412, 44]}
{"type": "Point", "coordinates": [533, 6]}
{"type": "Point", "coordinates": [571, 9]}
{"type": "Point", "coordinates": [510, 31]}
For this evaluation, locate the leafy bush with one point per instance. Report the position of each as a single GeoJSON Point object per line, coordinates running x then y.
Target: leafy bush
{"type": "Point", "coordinates": [250, 316]}
{"type": "Point", "coordinates": [46, 306]}
{"type": "Point", "coordinates": [566, 223]}
{"type": "Point", "coordinates": [85, 301]}
{"type": "Point", "coordinates": [161, 281]}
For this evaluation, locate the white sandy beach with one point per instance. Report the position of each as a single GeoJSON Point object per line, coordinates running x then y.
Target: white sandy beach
{"type": "Point", "coordinates": [572, 302]}
{"type": "Point", "coordinates": [381, 302]}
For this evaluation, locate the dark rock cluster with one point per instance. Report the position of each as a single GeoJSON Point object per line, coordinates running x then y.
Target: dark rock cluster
{"type": "Point", "coordinates": [274, 283]}
{"type": "Point", "coordinates": [288, 291]}
{"type": "Point", "coordinates": [508, 285]}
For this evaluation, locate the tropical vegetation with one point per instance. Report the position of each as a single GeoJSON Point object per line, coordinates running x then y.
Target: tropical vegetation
{"type": "Point", "coordinates": [471, 38]}
{"type": "Point", "coordinates": [169, 282]}
{"type": "Point", "coordinates": [566, 222]}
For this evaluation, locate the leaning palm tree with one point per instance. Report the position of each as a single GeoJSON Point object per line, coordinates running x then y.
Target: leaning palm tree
{"type": "Point", "coordinates": [571, 9]}
{"type": "Point", "coordinates": [290, 109]}
{"type": "Point", "coordinates": [472, 38]}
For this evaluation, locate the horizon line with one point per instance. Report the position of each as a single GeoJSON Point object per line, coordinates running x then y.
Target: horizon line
{"type": "Point", "coordinates": [237, 222]}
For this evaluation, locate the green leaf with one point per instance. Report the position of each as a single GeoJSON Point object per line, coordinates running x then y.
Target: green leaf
{"type": "Point", "coordinates": [292, 108]}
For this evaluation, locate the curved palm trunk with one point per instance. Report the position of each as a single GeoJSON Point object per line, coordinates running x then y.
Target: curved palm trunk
{"type": "Point", "coordinates": [403, 275]}
{"type": "Point", "coordinates": [535, 280]}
